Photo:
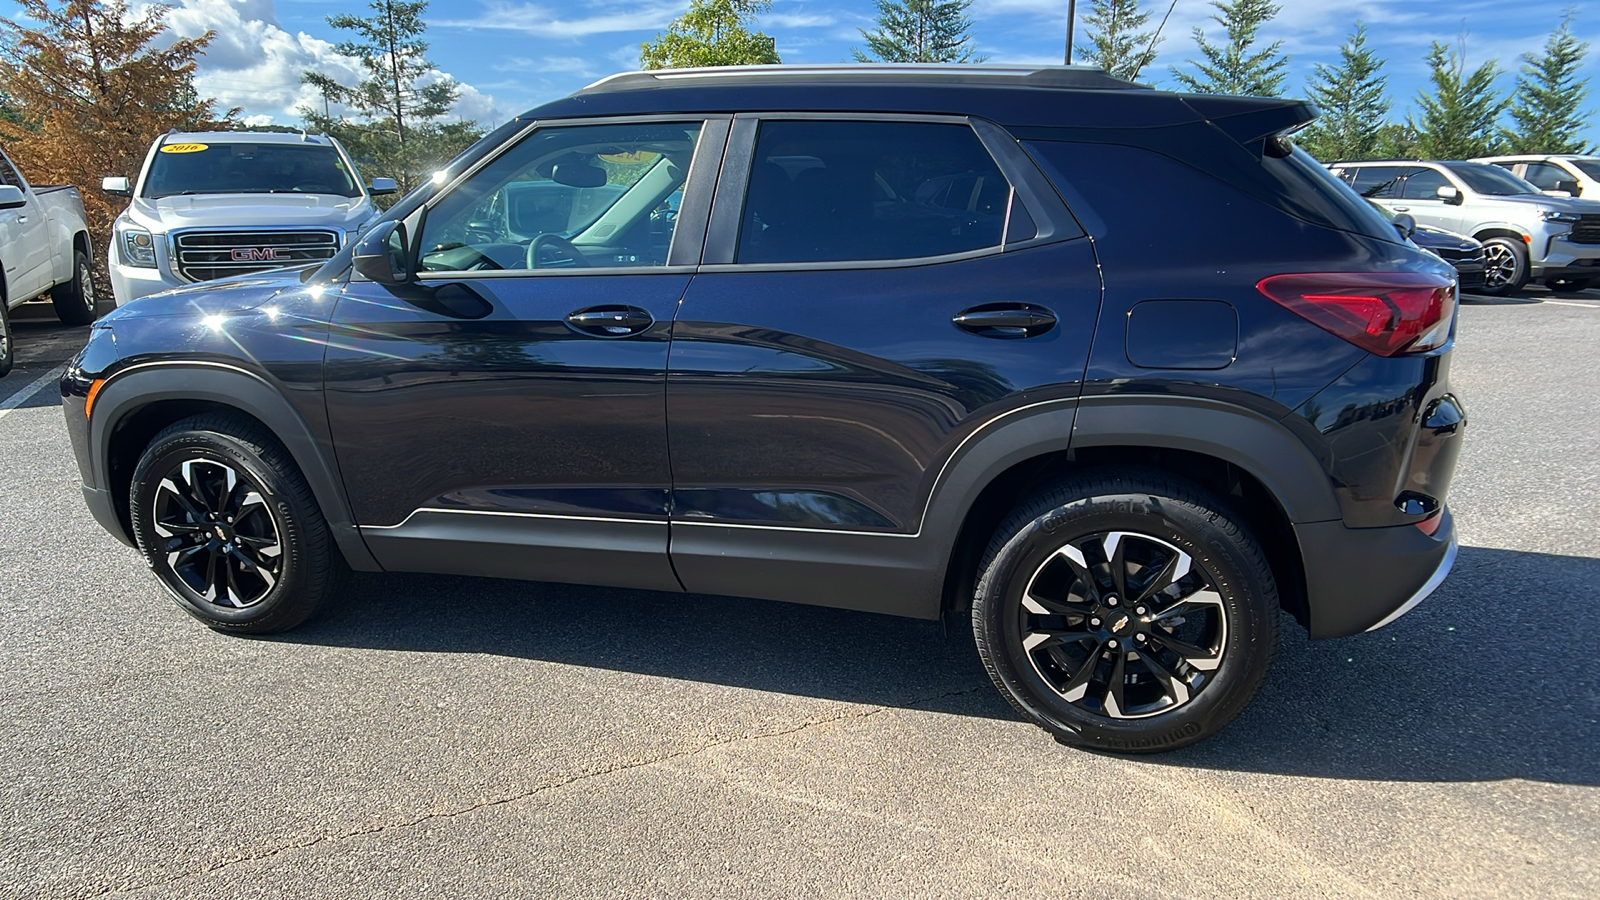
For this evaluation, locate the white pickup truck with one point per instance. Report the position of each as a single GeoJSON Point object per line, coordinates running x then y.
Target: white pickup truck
{"type": "Point", "coordinates": [219, 204]}
{"type": "Point", "coordinates": [44, 249]}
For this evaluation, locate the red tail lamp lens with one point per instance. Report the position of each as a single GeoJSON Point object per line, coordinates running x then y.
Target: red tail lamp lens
{"type": "Point", "coordinates": [1387, 313]}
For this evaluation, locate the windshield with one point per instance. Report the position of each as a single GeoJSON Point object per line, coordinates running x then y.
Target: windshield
{"type": "Point", "coordinates": [1589, 167]}
{"type": "Point", "coordinates": [1491, 180]}
{"type": "Point", "coordinates": [195, 168]}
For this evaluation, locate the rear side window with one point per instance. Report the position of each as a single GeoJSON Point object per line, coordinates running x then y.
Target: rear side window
{"type": "Point", "coordinates": [848, 191]}
{"type": "Point", "coordinates": [1376, 182]}
{"type": "Point", "coordinates": [1424, 184]}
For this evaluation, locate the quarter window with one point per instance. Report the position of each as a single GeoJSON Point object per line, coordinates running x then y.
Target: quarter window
{"type": "Point", "coordinates": [566, 198]}
{"type": "Point", "coordinates": [856, 191]}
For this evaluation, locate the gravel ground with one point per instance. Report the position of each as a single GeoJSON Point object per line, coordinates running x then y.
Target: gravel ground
{"type": "Point", "coordinates": [459, 737]}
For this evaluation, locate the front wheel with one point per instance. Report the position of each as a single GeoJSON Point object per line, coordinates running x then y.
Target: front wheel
{"type": "Point", "coordinates": [75, 300]}
{"type": "Point", "coordinates": [1505, 266]}
{"type": "Point", "coordinates": [1126, 611]}
{"type": "Point", "coordinates": [225, 520]}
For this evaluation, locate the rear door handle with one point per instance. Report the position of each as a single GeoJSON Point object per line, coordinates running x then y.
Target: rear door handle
{"type": "Point", "coordinates": [610, 321]}
{"type": "Point", "coordinates": [1006, 320]}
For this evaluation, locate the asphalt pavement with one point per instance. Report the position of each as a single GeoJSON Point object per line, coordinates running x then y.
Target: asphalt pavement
{"type": "Point", "coordinates": [450, 737]}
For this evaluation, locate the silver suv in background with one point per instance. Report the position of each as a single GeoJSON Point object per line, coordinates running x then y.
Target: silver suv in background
{"type": "Point", "coordinates": [1527, 235]}
{"type": "Point", "coordinates": [1577, 175]}
{"type": "Point", "coordinates": [216, 204]}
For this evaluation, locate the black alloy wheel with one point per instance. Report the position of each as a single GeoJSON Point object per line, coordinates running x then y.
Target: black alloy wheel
{"type": "Point", "coordinates": [229, 526]}
{"type": "Point", "coordinates": [1126, 610]}
{"type": "Point", "coordinates": [1505, 266]}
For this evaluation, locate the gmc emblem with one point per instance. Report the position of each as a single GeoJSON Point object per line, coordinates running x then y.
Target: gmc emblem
{"type": "Point", "coordinates": [252, 254]}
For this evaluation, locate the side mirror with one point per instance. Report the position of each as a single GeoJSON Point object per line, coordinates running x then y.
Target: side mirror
{"type": "Point", "coordinates": [1558, 192]}
{"type": "Point", "coordinates": [1449, 194]}
{"type": "Point", "coordinates": [383, 255]}
{"type": "Point", "coordinates": [1571, 187]}
{"type": "Point", "coordinates": [116, 186]}
{"type": "Point", "coordinates": [381, 186]}
{"type": "Point", "coordinates": [1405, 224]}
{"type": "Point", "coordinates": [12, 197]}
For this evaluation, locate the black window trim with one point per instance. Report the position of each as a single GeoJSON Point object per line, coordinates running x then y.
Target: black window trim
{"type": "Point", "coordinates": [688, 234]}
{"type": "Point", "coordinates": [1050, 215]}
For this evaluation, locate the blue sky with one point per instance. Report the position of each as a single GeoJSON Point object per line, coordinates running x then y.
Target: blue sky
{"type": "Point", "coordinates": [513, 54]}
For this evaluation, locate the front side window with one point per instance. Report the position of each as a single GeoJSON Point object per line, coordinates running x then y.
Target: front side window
{"type": "Point", "coordinates": [855, 191]}
{"type": "Point", "coordinates": [569, 197]}
{"type": "Point", "coordinates": [1424, 184]}
{"type": "Point", "coordinates": [1490, 180]}
{"type": "Point", "coordinates": [8, 175]}
{"type": "Point", "coordinates": [243, 168]}
{"type": "Point", "coordinates": [1545, 176]}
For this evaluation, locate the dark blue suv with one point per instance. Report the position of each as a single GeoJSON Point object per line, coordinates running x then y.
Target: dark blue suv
{"type": "Point", "coordinates": [1118, 372]}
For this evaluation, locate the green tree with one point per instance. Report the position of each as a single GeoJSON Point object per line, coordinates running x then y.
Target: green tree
{"type": "Point", "coordinates": [1115, 42]}
{"type": "Point", "coordinates": [712, 33]}
{"type": "Point", "coordinates": [400, 104]}
{"type": "Point", "coordinates": [1354, 102]}
{"type": "Point", "coordinates": [1232, 68]}
{"type": "Point", "coordinates": [1549, 99]}
{"type": "Point", "coordinates": [920, 31]}
{"type": "Point", "coordinates": [1459, 116]}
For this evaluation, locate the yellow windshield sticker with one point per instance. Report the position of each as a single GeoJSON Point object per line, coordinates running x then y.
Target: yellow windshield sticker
{"type": "Point", "coordinates": [631, 157]}
{"type": "Point", "coordinates": [185, 148]}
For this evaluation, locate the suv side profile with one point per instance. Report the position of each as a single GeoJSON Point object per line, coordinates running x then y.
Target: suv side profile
{"type": "Point", "coordinates": [1527, 236]}
{"type": "Point", "coordinates": [901, 339]}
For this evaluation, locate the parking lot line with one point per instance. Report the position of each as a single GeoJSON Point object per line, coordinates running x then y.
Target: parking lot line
{"type": "Point", "coordinates": [1570, 303]}
{"type": "Point", "coordinates": [24, 395]}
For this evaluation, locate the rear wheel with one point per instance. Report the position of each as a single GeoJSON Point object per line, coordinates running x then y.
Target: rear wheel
{"type": "Point", "coordinates": [228, 525]}
{"type": "Point", "coordinates": [1505, 266]}
{"type": "Point", "coordinates": [75, 300]}
{"type": "Point", "coordinates": [7, 343]}
{"type": "Point", "coordinates": [1126, 611]}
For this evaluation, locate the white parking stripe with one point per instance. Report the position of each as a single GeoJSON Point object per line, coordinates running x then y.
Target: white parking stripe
{"type": "Point", "coordinates": [26, 394]}
{"type": "Point", "coordinates": [1570, 303]}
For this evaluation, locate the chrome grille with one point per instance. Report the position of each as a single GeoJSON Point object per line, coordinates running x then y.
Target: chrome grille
{"type": "Point", "coordinates": [204, 255]}
{"type": "Point", "coordinates": [1587, 231]}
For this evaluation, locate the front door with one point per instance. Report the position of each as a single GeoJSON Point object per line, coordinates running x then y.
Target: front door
{"type": "Point", "coordinates": [505, 416]}
{"type": "Point", "coordinates": [28, 268]}
{"type": "Point", "coordinates": [875, 290]}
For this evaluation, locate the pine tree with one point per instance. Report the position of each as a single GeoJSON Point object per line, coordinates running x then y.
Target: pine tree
{"type": "Point", "coordinates": [1459, 117]}
{"type": "Point", "coordinates": [401, 101]}
{"type": "Point", "coordinates": [920, 31]}
{"type": "Point", "coordinates": [1354, 104]}
{"type": "Point", "coordinates": [712, 33]}
{"type": "Point", "coordinates": [1548, 103]}
{"type": "Point", "coordinates": [1231, 68]}
{"type": "Point", "coordinates": [88, 85]}
{"type": "Point", "coordinates": [1115, 42]}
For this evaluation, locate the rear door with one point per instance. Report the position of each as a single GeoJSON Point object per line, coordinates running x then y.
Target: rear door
{"type": "Point", "coordinates": [875, 289]}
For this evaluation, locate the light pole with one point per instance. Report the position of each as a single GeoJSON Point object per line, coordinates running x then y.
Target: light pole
{"type": "Point", "coordinates": [1072, 15]}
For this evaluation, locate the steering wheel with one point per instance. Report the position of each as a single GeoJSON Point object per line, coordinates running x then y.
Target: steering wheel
{"type": "Point", "coordinates": [560, 244]}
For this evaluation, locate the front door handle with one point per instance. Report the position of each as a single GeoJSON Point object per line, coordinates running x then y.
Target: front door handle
{"type": "Point", "coordinates": [1402, 209]}
{"type": "Point", "coordinates": [1006, 320]}
{"type": "Point", "coordinates": [610, 321]}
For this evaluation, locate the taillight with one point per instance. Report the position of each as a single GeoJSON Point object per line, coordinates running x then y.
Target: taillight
{"type": "Point", "coordinates": [1387, 313]}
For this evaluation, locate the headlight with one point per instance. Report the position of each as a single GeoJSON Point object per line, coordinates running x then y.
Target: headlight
{"type": "Point", "coordinates": [138, 248]}
{"type": "Point", "coordinates": [1551, 215]}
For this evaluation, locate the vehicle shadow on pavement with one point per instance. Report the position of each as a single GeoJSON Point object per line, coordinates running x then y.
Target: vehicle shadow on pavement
{"type": "Point", "coordinates": [1496, 676]}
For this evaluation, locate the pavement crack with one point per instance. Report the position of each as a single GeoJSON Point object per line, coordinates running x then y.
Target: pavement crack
{"type": "Point", "coordinates": [547, 787]}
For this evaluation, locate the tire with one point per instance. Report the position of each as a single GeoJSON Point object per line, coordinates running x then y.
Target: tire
{"type": "Point", "coordinates": [1505, 266]}
{"type": "Point", "coordinates": [267, 561]}
{"type": "Point", "coordinates": [1048, 573]}
{"type": "Point", "coordinates": [8, 343]}
{"type": "Point", "coordinates": [1568, 285]}
{"type": "Point", "coordinates": [75, 300]}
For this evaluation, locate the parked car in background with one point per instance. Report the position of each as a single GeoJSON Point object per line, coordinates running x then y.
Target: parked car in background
{"type": "Point", "coordinates": [1458, 250]}
{"type": "Point", "coordinates": [217, 204]}
{"type": "Point", "coordinates": [44, 248]}
{"type": "Point", "coordinates": [1527, 235]}
{"type": "Point", "coordinates": [1577, 175]}
{"type": "Point", "coordinates": [909, 345]}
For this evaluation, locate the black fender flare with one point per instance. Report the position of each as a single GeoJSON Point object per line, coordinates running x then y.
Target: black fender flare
{"type": "Point", "coordinates": [135, 387]}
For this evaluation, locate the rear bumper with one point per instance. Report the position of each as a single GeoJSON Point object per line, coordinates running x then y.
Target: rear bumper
{"type": "Point", "coordinates": [1358, 579]}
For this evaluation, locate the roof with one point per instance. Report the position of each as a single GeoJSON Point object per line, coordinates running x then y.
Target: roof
{"type": "Point", "coordinates": [1047, 97]}
{"type": "Point", "coordinates": [243, 137]}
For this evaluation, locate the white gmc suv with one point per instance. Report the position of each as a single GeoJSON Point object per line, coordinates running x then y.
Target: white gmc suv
{"type": "Point", "coordinates": [216, 204]}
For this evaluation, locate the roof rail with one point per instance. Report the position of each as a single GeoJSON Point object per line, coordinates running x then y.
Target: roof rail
{"type": "Point", "coordinates": [1061, 76]}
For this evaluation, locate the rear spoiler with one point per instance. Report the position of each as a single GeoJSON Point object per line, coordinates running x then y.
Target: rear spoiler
{"type": "Point", "coordinates": [1252, 120]}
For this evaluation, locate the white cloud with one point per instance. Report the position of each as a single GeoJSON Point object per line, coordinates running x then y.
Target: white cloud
{"type": "Point", "coordinates": [255, 64]}
{"type": "Point", "coordinates": [542, 21]}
